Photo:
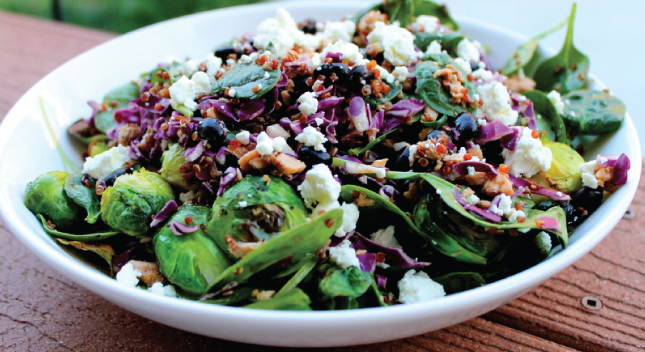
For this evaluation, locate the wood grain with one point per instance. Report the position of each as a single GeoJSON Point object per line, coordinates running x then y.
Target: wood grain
{"type": "Point", "coordinates": [41, 310]}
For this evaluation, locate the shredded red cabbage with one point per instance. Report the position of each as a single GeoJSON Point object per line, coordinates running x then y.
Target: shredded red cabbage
{"type": "Point", "coordinates": [165, 212]}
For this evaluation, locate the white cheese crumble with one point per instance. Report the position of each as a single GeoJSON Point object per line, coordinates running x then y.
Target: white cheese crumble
{"type": "Point", "coordinates": [232, 92]}
{"type": "Point", "coordinates": [468, 51]}
{"type": "Point", "coordinates": [202, 83]}
{"type": "Point", "coordinates": [413, 153]}
{"type": "Point", "coordinates": [308, 103]}
{"type": "Point", "coordinates": [588, 167]}
{"type": "Point", "coordinates": [312, 138]}
{"type": "Point", "coordinates": [183, 92]}
{"type": "Point", "coordinates": [439, 192]}
{"type": "Point", "coordinates": [213, 65]}
{"type": "Point", "coordinates": [471, 170]}
{"type": "Point", "coordinates": [340, 31]}
{"type": "Point", "coordinates": [386, 237]}
{"type": "Point", "coordinates": [529, 156]}
{"type": "Point", "coordinates": [350, 218]}
{"type": "Point", "coordinates": [483, 74]}
{"type": "Point", "coordinates": [418, 287]}
{"type": "Point", "coordinates": [543, 241]}
{"type": "Point", "coordinates": [517, 214]}
{"type": "Point", "coordinates": [128, 275]}
{"type": "Point", "coordinates": [463, 65]}
{"type": "Point", "coordinates": [397, 42]}
{"type": "Point", "coordinates": [319, 121]}
{"type": "Point", "coordinates": [349, 52]}
{"type": "Point", "coordinates": [243, 204]}
{"type": "Point", "coordinates": [319, 186]}
{"type": "Point", "coordinates": [589, 180]}
{"type": "Point", "coordinates": [472, 199]}
{"type": "Point", "coordinates": [244, 137]}
{"type": "Point", "coordinates": [344, 255]}
{"type": "Point", "coordinates": [266, 145]}
{"type": "Point", "coordinates": [504, 207]}
{"type": "Point", "coordinates": [283, 33]}
{"type": "Point", "coordinates": [556, 99]}
{"type": "Point", "coordinates": [588, 173]}
{"type": "Point", "coordinates": [429, 23]}
{"type": "Point", "coordinates": [434, 48]}
{"type": "Point", "coordinates": [163, 290]}
{"type": "Point", "coordinates": [103, 164]}
{"type": "Point", "coordinates": [189, 67]}
{"type": "Point", "coordinates": [401, 73]}
{"type": "Point", "coordinates": [497, 103]}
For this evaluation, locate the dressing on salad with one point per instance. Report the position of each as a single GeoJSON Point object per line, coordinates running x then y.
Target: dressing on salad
{"type": "Point", "coordinates": [328, 165]}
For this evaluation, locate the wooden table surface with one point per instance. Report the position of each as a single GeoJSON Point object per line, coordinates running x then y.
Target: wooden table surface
{"type": "Point", "coordinates": [40, 310]}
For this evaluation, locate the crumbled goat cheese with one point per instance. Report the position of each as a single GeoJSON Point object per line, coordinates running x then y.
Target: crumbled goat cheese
{"type": "Point", "coordinates": [340, 31]}
{"type": "Point", "coordinates": [439, 191]}
{"type": "Point", "coordinates": [128, 275]}
{"type": "Point", "coordinates": [429, 23]}
{"type": "Point", "coordinates": [471, 170]}
{"type": "Point", "coordinates": [589, 180]}
{"type": "Point", "coordinates": [472, 199]}
{"type": "Point", "coordinates": [397, 42]}
{"type": "Point", "coordinates": [413, 153]}
{"type": "Point", "coordinates": [482, 122]}
{"type": "Point", "coordinates": [418, 287]}
{"type": "Point", "coordinates": [529, 156]}
{"type": "Point", "coordinates": [202, 83]}
{"type": "Point", "coordinates": [349, 52]}
{"type": "Point", "coordinates": [386, 237]}
{"type": "Point", "coordinates": [463, 65]}
{"type": "Point", "coordinates": [588, 173]}
{"type": "Point", "coordinates": [312, 138]}
{"type": "Point", "coordinates": [344, 255]}
{"type": "Point", "coordinates": [505, 206]}
{"type": "Point", "coordinates": [244, 137]}
{"type": "Point", "coordinates": [103, 164]}
{"type": "Point", "coordinates": [556, 99]}
{"type": "Point", "coordinates": [434, 48]}
{"type": "Point", "coordinates": [187, 197]}
{"type": "Point", "coordinates": [468, 51]}
{"type": "Point", "coordinates": [319, 121]}
{"type": "Point", "coordinates": [543, 241]}
{"type": "Point", "coordinates": [243, 204]}
{"type": "Point", "coordinates": [283, 33]}
{"type": "Point", "coordinates": [232, 92]}
{"type": "Point", "coordinates": [517, 214]}
{"type": "Point", "coordinates": [182, 92]}
{"type": "Point", "coordinates": [213, 65]}
{"type": "Point", "coordinates": [319, 186]}
{"type": "Point", "coordinates": [497, 103]}
{"type": "Point", "coordinates": [483, 74]}
{"type": "Point", "coordinates": [264, 144]}
{"type": "Point", "coordinates": [589, 167]}
{"type": "Point", "coordinates": [350, 218]}
{"type": "Point", "coordinates": [401, 73]}
{"type": "Point", "coordinates": [163, 290]}
{"type": "Point", "coordinates": [189, 67]}
{"type": "Point", "coordinates": [308, 103]}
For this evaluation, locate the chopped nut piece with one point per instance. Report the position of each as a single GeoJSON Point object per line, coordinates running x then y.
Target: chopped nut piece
{"type": "Point", "coordinates": [149, 272]}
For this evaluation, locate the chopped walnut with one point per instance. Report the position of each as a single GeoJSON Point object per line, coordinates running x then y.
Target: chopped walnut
{"type": "Point", "coordinates": [363, 201]}
{"type": "Point", "coordinates": [286, 164]}
{"type": "Point", "coordinates": [500, 184]}
{"type": "Point", "coordinates": [128, 133]}
{"type": "Point", "coordinates": [467, 192]}
{"type": "Point", "coordinates": [520, 84]}
{"type": "Point", "coordinates": [240, 249]}
{"type": "Point", "coordinates": [263, 295]}
{"type": "Point", "coordinates": [604, 175]}
{"type": "Point", "coordinates": [149, 272]}
{"type": "Point", "coordinates": [476, 151]}
{"type": "Point", "coordinates": [452, 80]}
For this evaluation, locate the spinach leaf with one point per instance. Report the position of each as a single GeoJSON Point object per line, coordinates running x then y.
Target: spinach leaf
{"type": "Point", "coordinates": [534, 219]}
{"type": "Point", "coordinates": [360, 150]}
{"type": "Point", "coordinates": [437, 239]}
{"type": "Point", "coordinates": [295, 243]}
{"type": "Point", "coordinates": [394, 91]}
{"type": "Point", "coordinates": [406, 11]}
{"type": "Point", "coordinates": [157, 76]}
{"type": "Point", "coordinates": [460, 281]}
{"type": "Point", "coordinates": [103, 250]}
{"type": "Point", "coordinates": [432, 91]}
{"type": "Point", "coordinates": [307, 264]}
{"type": "Point", "coordinates": [82, 131]}
{"type": "Point", "coordinates": [104, 120]}
{"type": "Point", "coordinates": [85, 238]}
{"type": "Point", "coordinates": [435, 124]}
{"type": "Point", "coordinates": [448, 41]}
{"type": "Point", "coordinates": [247, 76]}
{"type": "Point", "coordinates": [295, 299]}
{"type": "Point", "coordinates": [84, 196]}
{"type": "Point", "coordinates": [191, 261]}
{"type": "Point", "coordinates": [592, 112]}
{"type": "Point", "coordinates": [548, 120]}
{"type": "Point", "coordinates": [236, 295]}
{"type": "Point", "coordinates": [567, 70]}
{"type": "Point", "coordinates": [350, 282]}
{"type": "Point", "coordinates": [525, 56]}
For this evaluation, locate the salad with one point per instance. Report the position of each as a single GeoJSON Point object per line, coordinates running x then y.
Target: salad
{"type": "Point", "coordinates": [326, 165]}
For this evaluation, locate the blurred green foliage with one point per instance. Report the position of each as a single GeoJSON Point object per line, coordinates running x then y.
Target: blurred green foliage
{"type": "Point", "coordinates": [116, 15]}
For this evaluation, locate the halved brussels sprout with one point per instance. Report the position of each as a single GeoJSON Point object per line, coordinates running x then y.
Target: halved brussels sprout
{"type": "Point", "coordinates": [191, 261]}
{"type": "Point", "coordinates": [564, 174]}
{"type": "Point", "coordinates": [46, 196]}
{"type": "Point", "coordinates": [129, 205]}
{"type": "Point", "coordinates": [171, 160]}
{"type": "Point", "coordinates": [255, 210]}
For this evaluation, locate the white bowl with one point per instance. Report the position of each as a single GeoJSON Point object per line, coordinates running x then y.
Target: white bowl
{"type": "Point", "coordinates": [28, 149]}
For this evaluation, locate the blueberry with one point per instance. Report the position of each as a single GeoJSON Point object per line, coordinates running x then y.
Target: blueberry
{"type": "Point", "coordinates": [213, 131]}
{"type": "Point", "coordinates": [572, 214]}
{"type": "Point", "coordinates": [310, 156]}
{"type": "Point", "coordinates": [335, 72]}
{"type": "Point", "coordinates": [402, 162]}
{"type": "Point", "coordinates": [360, 76]}
{"type": "Point", "coordinates": [308, 26]}
{"type": "Point", "coordinates": [438, 135]}
{"type": "Point", "coordinates": [587, 198]}
{"type": "Point", "coordinates": [109, 179]}
{"type": "Point", "coordinates": [225, 51]}
{"type": "Point", "coordinates": [466, 125]}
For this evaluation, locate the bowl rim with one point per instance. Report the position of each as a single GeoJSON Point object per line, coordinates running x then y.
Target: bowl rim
{"type": "Point", "coordinates": [522, 281]}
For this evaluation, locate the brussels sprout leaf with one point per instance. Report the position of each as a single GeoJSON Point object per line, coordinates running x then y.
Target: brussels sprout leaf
{"type": "Point", "coordinates": [85, 238]}
{"type": "Point", "coordinates": [306, 264]}
{"type": "Point", "coordinates": [245, 77]}
{"type": "Point", "coordinates": [525, 55]}
{"type": "Point", "coordinates": [461, 281]}
{"type": "Point", "coordinates": [592, 112]}
{"type": "Point", "coordinates": [84, 196]}
{"type": "Point", "coordinates": [295, 299]}
{"type": "Point", "coordinates": [103, 250]}
{"type": "Point", "coordinates": [567, 70]}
